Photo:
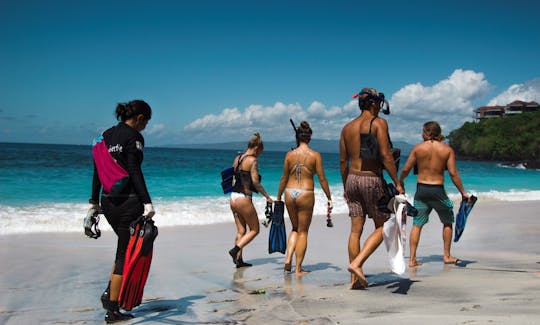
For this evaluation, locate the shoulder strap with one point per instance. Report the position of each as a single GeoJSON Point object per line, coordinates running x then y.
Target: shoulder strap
{"type": "Point", "coordinates": [389, 141]}
{"type": "Point", "coordinates": [306, 156]}
{"type": "Point", "coordinates": [297, 154]}
{"type": "Point", "coordinates": [370, 123]}
{"type": "Point", "coordinates": [238, 163]}
{"type": "Point", "coordinates": [240, 159]}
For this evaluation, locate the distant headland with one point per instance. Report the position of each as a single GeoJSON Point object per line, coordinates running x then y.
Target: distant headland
{"type": "Point", "coordinates": [513, 139]}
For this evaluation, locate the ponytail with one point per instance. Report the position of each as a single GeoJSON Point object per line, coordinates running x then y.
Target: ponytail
{"type": "Point", "coordinates": [129, 110]}
{"type": "Point", "coordinates": [256, 141]}
{"type": "Point", "coordinates": [303, 133]}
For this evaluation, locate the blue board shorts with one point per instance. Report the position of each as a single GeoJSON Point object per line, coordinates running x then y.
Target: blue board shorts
{"type": "Point", "coordinates": [429, 197]}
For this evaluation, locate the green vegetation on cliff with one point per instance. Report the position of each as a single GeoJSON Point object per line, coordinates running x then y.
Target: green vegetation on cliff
{"type": "Point", "coordinates": [512, 138]}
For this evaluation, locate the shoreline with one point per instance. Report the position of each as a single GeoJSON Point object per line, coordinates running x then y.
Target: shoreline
{"type": "Point", "coordinates": [63, 218]}
{"type": "Point", "coordinates": [58, 277]}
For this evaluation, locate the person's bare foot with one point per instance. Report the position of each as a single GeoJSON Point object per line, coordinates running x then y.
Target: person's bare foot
{"type": "Point", "coordinates": [450, 260]}
{"type": "Point", "coordinates": [357, 285]}
{"type": "Point", "coordinates": [301, 272]}
{"type": "Point", "coordinates": [414, 263]}
{"type": "Point", "coordinates": [361, 281]}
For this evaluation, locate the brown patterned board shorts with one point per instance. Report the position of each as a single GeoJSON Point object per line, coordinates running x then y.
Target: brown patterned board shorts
{"type": "Point", "coordinates": [363, 193]}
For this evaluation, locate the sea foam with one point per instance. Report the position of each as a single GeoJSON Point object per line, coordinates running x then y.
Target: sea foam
{"type": "Point", "coordinates": [68, 217]}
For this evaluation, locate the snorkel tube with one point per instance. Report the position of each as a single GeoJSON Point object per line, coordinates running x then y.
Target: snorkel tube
{"type": "Point", "coordinates": [295, 132]}
{"type": "Point", "coordinates": [293, 126]}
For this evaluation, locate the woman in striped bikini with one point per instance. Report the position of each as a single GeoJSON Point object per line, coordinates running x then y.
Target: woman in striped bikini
{"type": "Point", "coordinates": [299, 168]}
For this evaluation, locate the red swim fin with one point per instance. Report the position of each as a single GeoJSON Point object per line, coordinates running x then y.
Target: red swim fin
{"type": "Point", "coordinates": [137, 262]}
{"type": "Point", "coordinates": [135, 281]}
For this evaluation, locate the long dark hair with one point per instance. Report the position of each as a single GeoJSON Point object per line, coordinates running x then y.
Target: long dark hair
{"type": "Point", "coordinates": [433, 131]}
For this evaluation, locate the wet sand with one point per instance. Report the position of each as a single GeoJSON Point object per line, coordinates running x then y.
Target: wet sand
{"type": "Point", "coordinates": [58, 277]}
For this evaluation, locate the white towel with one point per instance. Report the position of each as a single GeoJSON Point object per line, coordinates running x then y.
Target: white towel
{"type": "Point", "coordinates": [395, 233]}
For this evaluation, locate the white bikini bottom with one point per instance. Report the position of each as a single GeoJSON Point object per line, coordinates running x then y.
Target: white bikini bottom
{"type": "Point", "coordinates": [236, 195]}
{"type": "Point", "coordinates": [296, 192]}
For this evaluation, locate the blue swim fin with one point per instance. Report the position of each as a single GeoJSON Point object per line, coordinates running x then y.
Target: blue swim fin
{"type": "Point", "coordinates": [461, 218]}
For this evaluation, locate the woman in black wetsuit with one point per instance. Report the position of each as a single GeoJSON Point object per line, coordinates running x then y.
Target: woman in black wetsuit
{"type": "Point", "coordinates": [125, 144]}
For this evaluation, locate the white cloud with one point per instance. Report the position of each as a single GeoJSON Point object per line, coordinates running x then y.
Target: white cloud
{"type": "Point", "coordinates": [156, 130]}
{"type": "Point", "coordinates": [450, 101]}
{"type": "Point", "coordinates": [272, 122]}
{"type": "Point", "coordinates": [529, 91]}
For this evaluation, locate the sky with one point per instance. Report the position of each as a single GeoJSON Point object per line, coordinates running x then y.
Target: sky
{"type": "Point", "coordinates": [218, 71]}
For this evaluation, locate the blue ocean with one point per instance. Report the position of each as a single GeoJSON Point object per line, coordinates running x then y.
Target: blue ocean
{"type": "Point", "coordinates": [45, 188]}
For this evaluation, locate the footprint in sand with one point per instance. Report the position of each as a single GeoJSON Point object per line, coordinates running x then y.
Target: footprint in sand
{"type": "Point", "coordinates": [243, 311]}
{"type": "Point", "coordinates": [82, 309]}
{"type": "Point", "coordinates": [221, 301]}
{"type": "Point", "coordinates": [472, 308]}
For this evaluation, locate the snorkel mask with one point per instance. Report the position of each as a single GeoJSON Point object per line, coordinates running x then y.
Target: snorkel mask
{"type": "Point", "coordinates": [91, 222]}
{"type": "Point", "coordinates": [379, 97]}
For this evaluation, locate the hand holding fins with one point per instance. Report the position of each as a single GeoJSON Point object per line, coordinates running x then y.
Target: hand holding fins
{"type": "Point", "coordinates": [268, 213]}
{"type": "Point", "coordinates": [137, 262]}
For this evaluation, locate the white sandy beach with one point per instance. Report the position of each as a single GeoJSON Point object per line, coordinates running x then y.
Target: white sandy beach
{"type": "Point", "coordinates": [57, 278]}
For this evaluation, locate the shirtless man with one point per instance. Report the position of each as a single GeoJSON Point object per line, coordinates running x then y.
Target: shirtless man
{"type": "Point", "coordinates": [361, 168]}
{"type": "Point", "coordinates": [432, 157]}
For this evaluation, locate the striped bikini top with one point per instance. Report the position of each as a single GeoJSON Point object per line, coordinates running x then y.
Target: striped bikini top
{"type": "Point", "coordinates": [297, 167]}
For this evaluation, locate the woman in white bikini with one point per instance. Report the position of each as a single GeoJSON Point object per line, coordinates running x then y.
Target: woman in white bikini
{"type": "Point", "coordinates": [299, 168]}
{"type": "Point", "coordinates": [247, 181]}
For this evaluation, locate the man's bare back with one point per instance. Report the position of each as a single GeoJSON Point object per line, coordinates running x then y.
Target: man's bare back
{"type": "Point", "coordinates": [350, 137]}
{"type": "Point", "coordinates": [432, 159]}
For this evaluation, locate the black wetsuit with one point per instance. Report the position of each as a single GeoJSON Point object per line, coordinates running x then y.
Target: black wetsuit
{"type": "Point", "coordinates": [126, 147]}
